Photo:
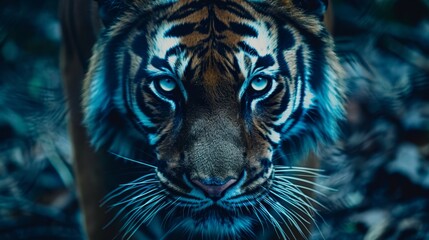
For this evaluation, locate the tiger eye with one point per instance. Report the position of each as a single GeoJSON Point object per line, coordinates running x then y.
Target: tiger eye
{"type": "Point", "coordinates": [259, 84]}
{"type": "Point", "coordinates": [167, 84]}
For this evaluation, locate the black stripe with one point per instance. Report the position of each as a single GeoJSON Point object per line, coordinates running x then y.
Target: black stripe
{"type": "Point", "coordinates": [176, 50]}
{"type": "Point", "coordinates": [203, 27]}
{"type": "Point", "coordinates": [286, 39]}
{"type": "Point", "coordinates": [160, 63]}
{"type": "Point", "coordinates": [236, 9]}
{"type": "Point", "coordinates": [318, 47]}
{"type": "Point", "coordinates": [243, 29]}
{"type": "Point", "coordinates": [127, 95]}
{"type": "Point", "coordinates": [264, 62]}
{"type": "Point", "coordinates": [187, 10]}
{"type": "Point", "coordinates": [219, 25]}
{"type": "Point", "coordinates": [180, 30]}
{"type": "Point", "coordinates": [284, 102]}
{"type": "Point", "coordinates": [143, 105]}
{"type": "Point", "coordinates": [296, 115]}
{"type": "Point", "coordinates": [248, 49]}
{"type": "Point", "coordinates": [139, 45]}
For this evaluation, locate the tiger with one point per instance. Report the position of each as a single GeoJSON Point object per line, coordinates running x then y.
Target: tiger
{"type": "Point", "coordinates": [227, 103]}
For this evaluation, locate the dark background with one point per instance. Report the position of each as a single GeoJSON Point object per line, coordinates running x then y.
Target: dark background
{"type": "Point", "coordinates": [380, 168]}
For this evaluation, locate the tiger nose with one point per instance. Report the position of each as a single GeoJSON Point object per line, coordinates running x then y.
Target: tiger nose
{"type": "Point", "coordinates": [214, 187]}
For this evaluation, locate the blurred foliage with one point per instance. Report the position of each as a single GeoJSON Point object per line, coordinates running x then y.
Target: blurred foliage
{"type": "Point", "coordinates": [381, 167]}
{"type": "Point", "coordinates": [37, 196]}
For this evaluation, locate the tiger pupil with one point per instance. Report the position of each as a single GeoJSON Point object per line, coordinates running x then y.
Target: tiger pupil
{"type": "Point", "coordinates": [259, 84]}
{"type": "Point", "coordinates": [167, 85]}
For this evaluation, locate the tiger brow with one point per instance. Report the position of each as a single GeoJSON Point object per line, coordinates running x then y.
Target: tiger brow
{"type": "Point", "coordinates": [264, 62]}
{"type": "Point", "coordinates": [175, 50]}
{"type": "Point", "coordinates": [248, 49]}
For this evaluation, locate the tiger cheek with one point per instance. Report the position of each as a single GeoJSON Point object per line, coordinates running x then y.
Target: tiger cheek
{"type": "Point", "coordinates": [257, 155]}
{"type": "Point", "coordinates": [169, 156]}
{"type": "Point", "coordinates": [169, 162]}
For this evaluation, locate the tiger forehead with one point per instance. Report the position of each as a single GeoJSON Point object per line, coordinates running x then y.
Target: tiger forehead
{"type": "Point", "coordinates": [210, 37]}
{"type": "Point", "coordinates": [211, 22]}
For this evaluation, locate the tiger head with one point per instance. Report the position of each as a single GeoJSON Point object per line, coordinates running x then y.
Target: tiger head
{"type": "Point", "coordinates": [220, 91]}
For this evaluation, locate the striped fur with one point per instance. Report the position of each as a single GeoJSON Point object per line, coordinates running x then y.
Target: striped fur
{"type": "Point", "coordinates": [213, 125]}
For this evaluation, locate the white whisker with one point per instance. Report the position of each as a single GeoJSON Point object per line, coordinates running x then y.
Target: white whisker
{"type": "Point", "coordinates": [287, 188]}
{"type": "Point", "coordinates": [292, 190]}
{"type": "Point", "coordinates": [132, 160]}
{"type": "Point", "coordinates": [274, 221]}
{"type": "Point", "coordinates": [298, 168]}
{"type": "Point", "coordinates": [140, 181]}
{"type": "Point", "coordinates": [305, 181]}
{"type": "Point", "coordinates": [259, 219]}
{"type": "Point", "coordinates": [140, 214]}
{"type": "Point", "coordinates": [171, 211]}
{"type": "Point", "coordinates": [294, 201]}
{"type": "Point", "coordinates": [133, 213]}
{"type": "Point", "coordinates": [130, 195]}
{"type": "Point", "coordinates": [296, 171]}
{"type": "Point", "coordinates": [290, 215]}
{"type": "Point", "coordinates": [139, 197]}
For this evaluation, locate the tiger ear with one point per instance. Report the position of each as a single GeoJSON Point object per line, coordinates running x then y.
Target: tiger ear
{"type": "Point", "coordinates": [108, 10]}
{"type": "Point", "coordinates": [313, 7]}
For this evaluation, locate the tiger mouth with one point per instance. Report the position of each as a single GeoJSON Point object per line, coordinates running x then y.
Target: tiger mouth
{"type": "Point", "coordinates": [215, 213]}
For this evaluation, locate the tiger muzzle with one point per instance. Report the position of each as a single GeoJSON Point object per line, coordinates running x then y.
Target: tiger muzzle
{"type": "Point", "coordinates": [215, 154]}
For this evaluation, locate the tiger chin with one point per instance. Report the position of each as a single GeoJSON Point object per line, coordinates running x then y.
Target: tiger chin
{"type": "Point", "coordinates": [230, 97]}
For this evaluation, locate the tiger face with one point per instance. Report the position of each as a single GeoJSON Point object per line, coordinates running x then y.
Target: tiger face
{"type": "Point", "coordinates": [220, 91]}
